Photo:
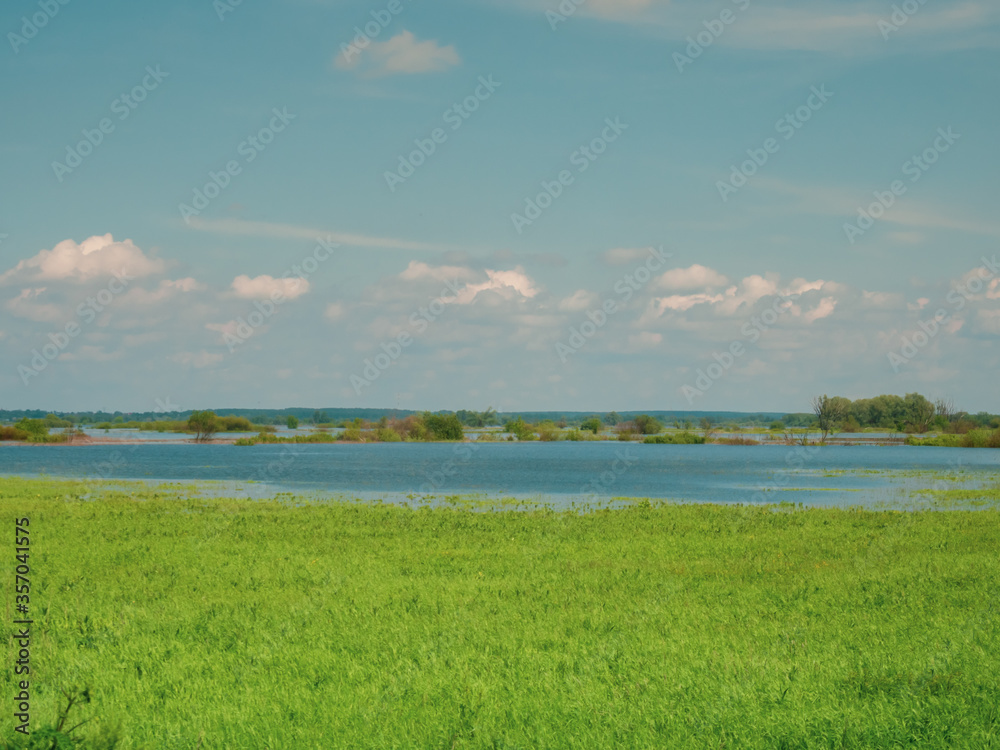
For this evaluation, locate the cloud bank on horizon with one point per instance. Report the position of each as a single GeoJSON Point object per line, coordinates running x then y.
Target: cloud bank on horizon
{"type": "Point", "coordinates": [614, 204]}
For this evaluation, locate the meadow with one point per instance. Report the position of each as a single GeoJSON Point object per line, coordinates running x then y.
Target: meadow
{"type": "Point", "coordinates": [215, 623]}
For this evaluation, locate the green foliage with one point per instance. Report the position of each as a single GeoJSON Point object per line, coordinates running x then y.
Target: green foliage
{"type": "Point", "coordinates": [971, 439]}
{"type": "Point", "coordinates": [520, 429]}
{"type": "Point", "coordinates": [240, 624]}
{"type": "Point", "coordinates": [647, 425]}
{"type": "Point", "coordinates": [387, 435]}
{"type": "Point", "coordinates": [612, 418]}
{"type": "Point", "coordinates": [443, 426]}
{"type": "Point", "coordinates": [593, 424]}
{"type": "Point", "coordinates": [204, 424]}
{"type": "Point", "coordinates": [547, 431]}
{"type": "Point", "coordinates": [676, 438]}
{"type": "Point", "coordinates": [292, 422]}
{"type": "Point", "coordinates": [777, 425]}
{"type": "Point", "coordinates": [13, 433]}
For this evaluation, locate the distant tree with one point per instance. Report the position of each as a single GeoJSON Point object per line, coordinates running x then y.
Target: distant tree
{"type": "Point", "coordinates": [292, 422]}
{"type": "Point", "coordinates": [593, 424]}
{"type": "Point", "coordinates": [830, 413]}
{"type": "Point", "coordinates": [320, 417]}
{"type": "Point", "coordinates": [443, 426]}
{"type": "Point", "coordinates": [707, 427]}
{"type": "Point", "coordinates": [777, 425]}
{"type": "Point", "coordinates": [204, 424]}
{"type": "Point", "coordinates": [648, 425]}
{"type": "Point", "coordinates": [612, 418]}
{"type": "Point", "coordinates": [920, 412]}
{"type": "Point", "coordinates": [519, 429]}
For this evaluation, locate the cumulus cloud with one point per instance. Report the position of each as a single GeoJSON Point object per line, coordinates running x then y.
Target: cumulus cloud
{"type": "Point", "coordinates": [96, 257]}
{"type": "Point", "coordinates": [26, 305]}
{"type": "Point", "coordinates": [417, 271]}
{"type": "Point", "coordinates": [265, 287]}
{"type": "Point", "coordinates": [508, 284]}
{"type": "Point", "coordinates": [403, 54]}
{"type": "Point", "coordinates": [695, 277]}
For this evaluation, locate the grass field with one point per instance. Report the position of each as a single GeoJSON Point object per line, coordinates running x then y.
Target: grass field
{"type": "Point", "coordinates": [238, 624]}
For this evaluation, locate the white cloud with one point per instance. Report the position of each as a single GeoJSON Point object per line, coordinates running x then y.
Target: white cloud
{"type": "Point", "coordinates": [96, 257]}
{"type": "Point", "coordinates": [579, 300]}
{"type": "Point", "coordinates": [264, 287]}
{"type": "Point", "coordinates": [402, 54]}
{"type": "Point", "coordinates": [507, 284]}
{"type": "Point", "coordinates": [25, 305]}
{"type": "Point", "coordinates": [418, 270]}
{"type": "Point", "coordinates": [824, 309]}
{"type": "Point", "coordinates": [695, 277]}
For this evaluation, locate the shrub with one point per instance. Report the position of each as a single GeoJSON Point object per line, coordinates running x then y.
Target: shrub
{"type": "Point", "coordinates": [593, 424]}
{"type": "Point", "coordinates": [204, 424]}
{"type": "Point", "coordinates": [648, 425]}
{"type": "Point", "coordinates": [292, 422]}
{"type": "Point", "coordinates": [444, 426]}
{"type": "Point", "coordinates": [547, 431]}
{"type": "Point", "coordinates": [682, 438]}
{"type": "Point", "coordinates": [350, 435]}
{"type": "Point", "coordinates": [519, 429]}
{"type": "Point", "coordinates": [12, 433]}
{"type": "Point", "coordinates": [387, 435]}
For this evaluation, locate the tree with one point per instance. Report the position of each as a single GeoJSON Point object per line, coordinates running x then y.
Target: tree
{"type": "Point", "coordinates": [320, 417]}
{"type": "Point", "coordinates": [593, 424]}
{"type": "Point", "coordinates": [830, 413]}
{"type": "Point", "coordinates": [204, 424]}
{"type": "Point", "coordinates": [920, 412]}
{"type": "Point", "coordinates": [648, 425]}
{"type": "Point", "coordinates": [292, 422]}
{"type": "Point", "coordinates": [444, 426]}
{"type": "Point", "coordinates": [612, 418]}
{"type": "Point", "coordinates": [519, 429]}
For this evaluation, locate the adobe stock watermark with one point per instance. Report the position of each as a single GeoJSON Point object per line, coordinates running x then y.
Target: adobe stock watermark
{"type": "Point", "coordinates": [752, 330]}
{"type": "Point", "coordinates": [249, 149]}
{"type": "Point", "coordinates": [247, 327]}
{"type": "Point", "coordinates": [123, 106]}
{"type": "Point", "coordinates": [563, 12]}
{"type": "Point", "coordinates": [582, 158]}
{"type": "Point", "coordinates": [87, 311]}
{"type": "Point", "coordinates": [916, 342]}
{"type": "Point", "coordinates": [48, 9]}
{"type": "Point", "coordinates": [224, 7]}
{"type": "Point", "coordinates": [393, 350]}
{"type": "Point", "coordinates": [365, 36]}
{"type": "Point", "coordinates": [786, 127]}
{"type": "Point", "coordinates": [915, 168]}
{"type": "Point", "coordinates": [624, 460]}
{"type": "Point", "coordinates": [714, 28]}
{"type": "Point", "coordinates": [597, 318]}
{"type": "Point", "coordinates": [901, 15]}
{"type": "Point", "coordinates": [463, 453]}
{"type": "Point", "coordinates": [455, 116]}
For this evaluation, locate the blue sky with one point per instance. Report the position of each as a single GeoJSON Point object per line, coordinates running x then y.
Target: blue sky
{"type": "Point", "coordinates": [505, 96]}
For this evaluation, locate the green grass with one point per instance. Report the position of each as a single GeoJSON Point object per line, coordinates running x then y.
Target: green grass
{"type": "Point", "coordinates": [676, 438]}
{"type": "Point", "coordinates": [971, 439]}
{"type": "Point", "coordinates": [241, 624]}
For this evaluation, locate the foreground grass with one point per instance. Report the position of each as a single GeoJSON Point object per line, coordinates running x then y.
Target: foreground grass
{"type": "Point", "coordinates": [238, 624]}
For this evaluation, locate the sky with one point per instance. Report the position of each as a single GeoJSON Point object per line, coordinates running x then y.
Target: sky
{"type": "Point", "coordinates": [530, 205]}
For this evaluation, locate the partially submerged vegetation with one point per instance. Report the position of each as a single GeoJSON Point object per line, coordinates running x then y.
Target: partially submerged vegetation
{"type": "Point", "coordinates": [267, 624]}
